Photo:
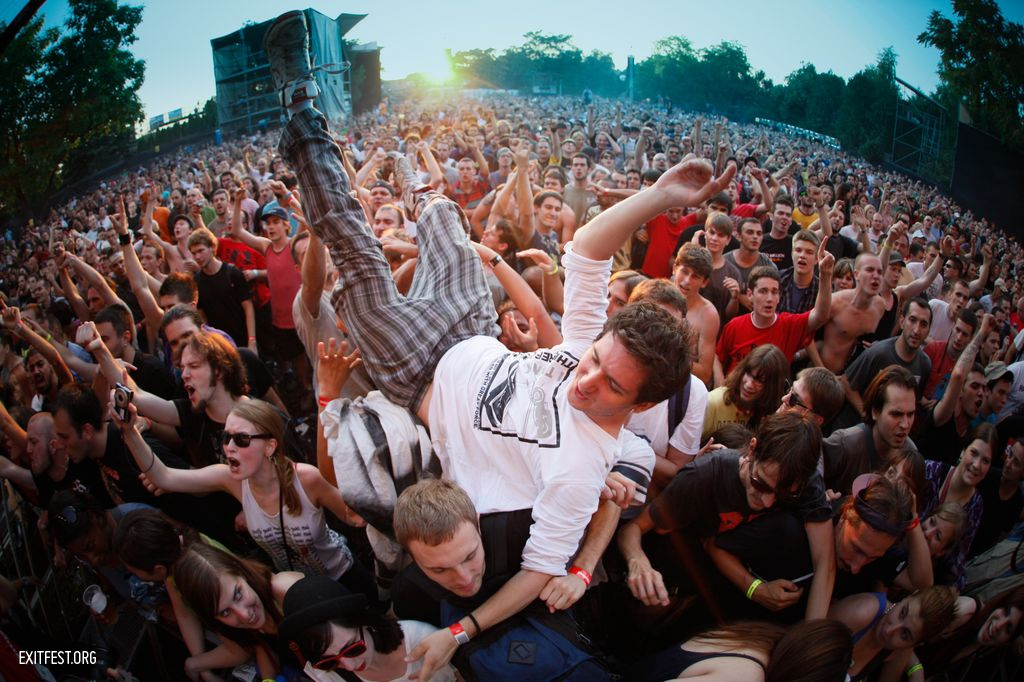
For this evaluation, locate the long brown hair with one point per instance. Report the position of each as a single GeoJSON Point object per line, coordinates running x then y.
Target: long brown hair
{"type": "Point", "coordinates": [767, 364]}
{"type": "Point", "coordinates": [197, 574]}
{"type": "Point", "coordinates": [267, 419]}
{"type": "Point", "coordinates": [810, 651]}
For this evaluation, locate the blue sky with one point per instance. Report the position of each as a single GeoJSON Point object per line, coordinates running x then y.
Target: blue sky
{"type": "Point", "coordinates": [174, 37]}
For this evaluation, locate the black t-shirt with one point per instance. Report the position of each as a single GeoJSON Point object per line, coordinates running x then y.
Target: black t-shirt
{"type": "Point", "coordinates": [708, 497]}
{"type": "Point", "coordinates": [779, 250]}
{"type": "Point", "coordinates": [201, 435]}
{"type": "Point", "coordinates": [999, 516]}
{"type": "Point", "coordinates": [941, 443]}
{"type": "Point", "coordinates": [82, 477]}
{"type": "Point", "coordinates": [153, 376]}
{"type": "Point", "coordinates": [257, 374]}
{"type": "Point", "coordinates": [220, 299]}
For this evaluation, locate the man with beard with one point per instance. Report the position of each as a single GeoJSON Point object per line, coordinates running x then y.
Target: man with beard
{"type": "Point", "coordinates": [903, 350]}
{"type": "Point", "coordinates": [46, 370]}
{"type": "Point", "coordinates": [890, 404]}
{"type": "Point", "coordinates": [947, 426]}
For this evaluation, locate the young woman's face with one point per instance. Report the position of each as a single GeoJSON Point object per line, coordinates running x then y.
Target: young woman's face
{"type": "Point", "coordinates": [999, 627]}
{"type": "Point", "coordinates": [938, 533]}
{"type": "Point", "coordinates": [238, 605]}
{"type": "Point", "coordinates": [844, 282]}
{"type": "Point", "coordinates": [901, 627]}
{"type": "Point", "coordinates": [244, 462]}
{"type": "Point", "coordinates": [975, 461]}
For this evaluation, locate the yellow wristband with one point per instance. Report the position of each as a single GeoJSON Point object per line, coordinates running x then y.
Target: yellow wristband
{"type": "Point", "coordinates": [914, 668]}
{"type": "Point", "coordinates": [753, 588]}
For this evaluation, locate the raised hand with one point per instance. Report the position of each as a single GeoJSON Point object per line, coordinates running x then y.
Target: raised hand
{"type": "Point", "coordinates": [334, 366]}
{"type": "Point", "coordinates": [826, 261]}
{"type": "Point", "coordinates": [524, 341]}
{"type": "Point", "coordinates": [692, 182]}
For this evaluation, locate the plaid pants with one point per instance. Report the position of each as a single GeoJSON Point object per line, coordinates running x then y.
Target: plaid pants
{"type": "Point", "coordinates": [401, 338]}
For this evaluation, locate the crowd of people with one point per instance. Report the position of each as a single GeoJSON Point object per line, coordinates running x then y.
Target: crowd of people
{"type": "Point", "coordinates": [535, 331]}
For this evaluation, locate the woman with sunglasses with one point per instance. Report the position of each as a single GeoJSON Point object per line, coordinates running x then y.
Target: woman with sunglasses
{"type": "Point", "coordinates": [283, 501]}
{"type": "Point", "coordinates": [336, 631]}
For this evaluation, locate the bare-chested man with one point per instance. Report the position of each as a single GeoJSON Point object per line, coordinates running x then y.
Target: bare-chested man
{"type": "Point", "coordinates": [854, 312]}
{"type": "Point", "coordinates": [691, 272]}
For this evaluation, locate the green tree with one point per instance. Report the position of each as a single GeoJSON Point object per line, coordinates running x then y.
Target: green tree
{"type": "Point", "coordinates": [810, 99]}
{"type": "Point", "coordinates": [868, 109]}
{"type": "Point", "coordinates": [982, 63]}
{"type": "Point", "coordinates": [70, 101]}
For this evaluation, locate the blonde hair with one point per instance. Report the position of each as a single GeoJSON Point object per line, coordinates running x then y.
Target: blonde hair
{"type": "Point", "coordinates": [267, 419]}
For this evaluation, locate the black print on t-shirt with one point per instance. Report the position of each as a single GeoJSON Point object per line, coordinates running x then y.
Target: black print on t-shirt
{"type": "Point", "coordinates": [552, 370]}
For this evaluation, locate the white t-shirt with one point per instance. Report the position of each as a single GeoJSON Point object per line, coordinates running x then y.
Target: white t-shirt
{"type": "Point", "coordinates": [941, 324]}
{"type": "Point", "coordinates": [415, 632]}
{"type": "Point", "coordinates": [652, 424]}
{"type": "Point", "coordinates": [917, 270]}
{"type": "Point", "coordinates": [503, 428]}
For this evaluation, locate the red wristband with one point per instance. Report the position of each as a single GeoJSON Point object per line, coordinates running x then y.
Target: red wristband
{"type": "Point", "coordinates": [324, 402]}
{"type": "Point", "coordinates": [914, 524]}
{"type": "Point", "coordinates": [459, 633]}
{"type": "Point", "coordinates": [581, 574]}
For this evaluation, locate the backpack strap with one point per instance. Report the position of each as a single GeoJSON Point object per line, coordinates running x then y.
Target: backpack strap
{"type": "Point", "coordinates": [677, 405]}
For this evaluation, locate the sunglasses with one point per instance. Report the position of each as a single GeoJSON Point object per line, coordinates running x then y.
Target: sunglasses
{"type": "Point", "coordinates": [242, 440]}
{"type": "Point", "coordinates": [793, 399]}
{"type": "Point", "coordinates": [765, 489]}
{"type": "Point", "coordinates": [356, 648]}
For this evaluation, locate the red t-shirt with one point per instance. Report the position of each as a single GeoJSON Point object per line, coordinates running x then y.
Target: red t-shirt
{"type": "Point", "coordinates": [662, 238]}
{"type": "Point", "coordinates": [942, 368]}
{"type": "Point", "coordinates": [740, 336]}
{"type": "Point", "coordinates": [744, 210]}
{"type": "Point", "coordinates": [245, 258]}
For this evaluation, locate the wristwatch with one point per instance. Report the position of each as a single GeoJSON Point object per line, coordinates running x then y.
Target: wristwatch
{"type": "Point", "coordinates": [495, 261]}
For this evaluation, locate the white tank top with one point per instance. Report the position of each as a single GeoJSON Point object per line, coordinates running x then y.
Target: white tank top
{"type": "Point", "coordinates": [314, 548]}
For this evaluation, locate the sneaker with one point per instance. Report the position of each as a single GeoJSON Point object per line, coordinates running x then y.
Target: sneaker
{"type": "Point", "coordinates": [407, 183]}
{"type": "Point", "coordinates": [287, 46]}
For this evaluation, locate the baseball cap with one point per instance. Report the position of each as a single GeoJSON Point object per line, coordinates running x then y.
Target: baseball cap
{"type": "Point", "coordinates": [276, 211]}
{"type": "Point", "coordinates": [896, 259]}
{"type": "Point", "coordinates": [1001, 283]}
{"type": "Point", "coordinates": [995, 371]}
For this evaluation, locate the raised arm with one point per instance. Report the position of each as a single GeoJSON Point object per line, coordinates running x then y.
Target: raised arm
{"type": "Point", "coordinates": [552, 290]}
{"type": "Point", "coordinates": [149, 405]}
{"type": "Point", "coordinates": [208, 479]}
{"type": "Point", "coordinates": [238, 231]}
{"type": "Point", "coordinates": [524, 196]}
{"type": "Point", "coordinates": [314, 271]}
{"type": "Point", "coordinates": [138, 278]}
{"type": "Point", "coordinates": [823, 303]}
{"type": "Point", "coordinates": [977, 285]}
{"type": "Point", "coordinates": [523, 297]}
{"type": "Point", "coordinates": [921, 284]}
{"type": "Point", "coordinates": [15, 325]}
{"type": "Point", "coordinates": [685, 184]}
{"type": "Point", "coordinates": [945, 409]}
{"type": "Point", "coordinates": [436, 174]}
{"type": "Point", "coordinates": [67, 284]}
{"type": "Point", "coordinates": [95, 280]}
{"type": "Point", "coordinates": [16, 435]}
